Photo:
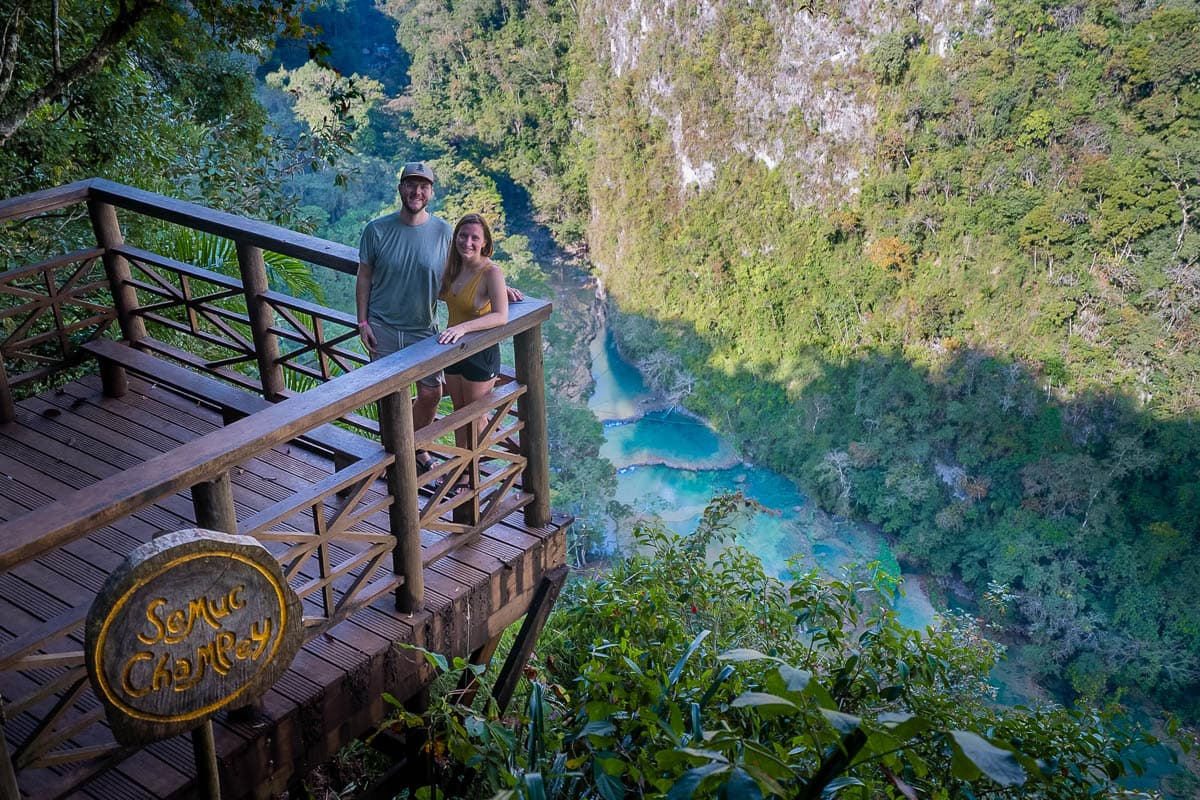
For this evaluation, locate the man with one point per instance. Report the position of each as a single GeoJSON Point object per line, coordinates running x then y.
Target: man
{"type": "Point", "coordinates": [400, 262]}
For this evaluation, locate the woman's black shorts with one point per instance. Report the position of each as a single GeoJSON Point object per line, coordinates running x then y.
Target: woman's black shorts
{"type": "Point", "coordinates": [480, 367]}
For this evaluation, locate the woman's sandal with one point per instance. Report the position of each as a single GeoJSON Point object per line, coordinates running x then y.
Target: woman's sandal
{"type": "Point", "coordinates": [424, 462]}
{"type": "Point", "coordinates": [461, 485]}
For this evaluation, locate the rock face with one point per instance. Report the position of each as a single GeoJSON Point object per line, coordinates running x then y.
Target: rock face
{"type": "Point", "coordinates": [785, 84]}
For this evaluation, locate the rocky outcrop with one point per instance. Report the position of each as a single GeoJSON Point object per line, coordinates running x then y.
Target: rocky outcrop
{"type": "Point", "coordinates": [785, 84]}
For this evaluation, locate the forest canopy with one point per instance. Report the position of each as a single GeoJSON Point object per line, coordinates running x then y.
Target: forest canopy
{"type": "Point", "coordinates": [159, 93]}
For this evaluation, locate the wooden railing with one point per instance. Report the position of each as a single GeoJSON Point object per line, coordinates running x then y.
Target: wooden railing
{"type": "Point", "coordinates": [238, 331]}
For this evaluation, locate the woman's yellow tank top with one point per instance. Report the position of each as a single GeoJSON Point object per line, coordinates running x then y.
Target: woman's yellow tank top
{"type": "Point", "coordinates": [461, 304]}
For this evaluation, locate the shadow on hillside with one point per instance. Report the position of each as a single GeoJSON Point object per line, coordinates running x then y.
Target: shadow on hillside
{"type": "Point", "coordinates": [1085, 508]}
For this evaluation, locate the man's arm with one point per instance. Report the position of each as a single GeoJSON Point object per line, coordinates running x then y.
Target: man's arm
{"type": "Point", "coordinates": [362, 299]}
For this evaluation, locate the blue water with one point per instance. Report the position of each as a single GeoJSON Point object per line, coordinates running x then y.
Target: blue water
{"type": "Point", "coordinates": [671, 464]}
{"type": "Point", "coordinates": [664, 436]}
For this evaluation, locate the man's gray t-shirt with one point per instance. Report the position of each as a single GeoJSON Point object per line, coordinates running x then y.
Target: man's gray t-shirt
{"type": "Point", "coordinates": [406, 263]}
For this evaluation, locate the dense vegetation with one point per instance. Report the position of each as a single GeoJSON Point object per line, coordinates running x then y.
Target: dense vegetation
{"type": "Point", "coordinates": [157, 94]}
{"type": "Point", "coordinates": [675, 675]}
{"type": "Point", "coordinates": [988, 354]}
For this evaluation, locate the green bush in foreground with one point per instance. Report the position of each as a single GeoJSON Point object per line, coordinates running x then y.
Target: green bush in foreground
{"type": "Point", "coordinates": [679, 673]}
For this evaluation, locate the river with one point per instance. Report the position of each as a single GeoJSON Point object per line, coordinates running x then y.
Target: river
{"type": "Point", "coordinates": [670, 463]}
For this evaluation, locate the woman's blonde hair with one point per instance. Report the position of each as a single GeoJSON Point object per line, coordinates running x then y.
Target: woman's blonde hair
{"type": "Point", "coordinates": [454, 264]}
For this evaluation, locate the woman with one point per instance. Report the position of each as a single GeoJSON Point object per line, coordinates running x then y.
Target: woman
{"type": "Point", "coordinates": [474, 291]}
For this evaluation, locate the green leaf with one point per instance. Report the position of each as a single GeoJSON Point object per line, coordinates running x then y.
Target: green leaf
{"type": "Point", "coordinates": [740, 786]}
{"type": "Point", "coordinates": [844, 723]}
{"type": "Point", "coordinates": [762, 761]}
{"type": "Point", "coordinates": [740, 654]}
{"type": "Point", "coordinates": [689, 781]}
{"type": "Point", "coordinates": [756, 699]}
{"type": "Point", "coordinates": [609, 786]}
{"type": "Point", "coordinates": [819, 693]}
{"type": "Point", "coordinates": [697, 724]}
{"type": "Point", "coordinates": [837, 784]}
{"type": "Point", "coordinates": [903, 726]}
{"type": "Point", "coordinates": [600, 727]}
{"type": "Point", "coordinates": [722, 676]}
{"type": "Point", "coordinates": [535, 787]}
{"type": "Point", "coordinates": [435, 659]}
{"type": "Point", "coordinates": [711, 755]}
{"type": "Point", "coordinates": [673, 678]}
{"type": "Point", "coordinates": [796, 680]}
{"type": "Point", "coordinates": [998, 764]}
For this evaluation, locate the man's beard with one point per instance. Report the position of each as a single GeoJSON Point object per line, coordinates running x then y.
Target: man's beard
{"type": "Point", "coordinates": [414, 208]}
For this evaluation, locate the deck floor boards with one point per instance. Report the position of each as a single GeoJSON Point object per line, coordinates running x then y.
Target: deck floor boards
{"type": "Point", "coordinates": [72, 437]}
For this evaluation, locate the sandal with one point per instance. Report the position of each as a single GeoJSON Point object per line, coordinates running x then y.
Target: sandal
{"type": "Point", "coordinates": [424, 462]}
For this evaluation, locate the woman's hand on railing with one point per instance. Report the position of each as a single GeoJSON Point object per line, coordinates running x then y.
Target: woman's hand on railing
{"type": "Point", "coordinates": [451, 334]}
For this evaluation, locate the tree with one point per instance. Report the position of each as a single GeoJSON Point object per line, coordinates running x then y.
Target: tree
{"type": "Point", "coordinates": [44, 59]}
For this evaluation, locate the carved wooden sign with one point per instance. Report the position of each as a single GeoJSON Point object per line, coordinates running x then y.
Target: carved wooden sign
{"type": "Point", "coordinates": [193, 622]}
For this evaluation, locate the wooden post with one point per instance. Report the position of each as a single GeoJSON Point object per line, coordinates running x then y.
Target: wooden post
{"type": "Point", "coordinates": [9, 790]}
{"type": "Point", "coordinates": [204, 748]}
{"type": "Point", "coordinates": [531, 408]}
{"type": "Point", "coordinates": [113, 378]}
{"type": "Point", "coordinates": [213, 502]}
{"type": "Point", "coordinates": [125, 300]}
{"type": "Point", "coordinates": [467, 437]}
{"type": "Point", "coordinates": [266, 345]}
{"type": "Point", "coordinates": [8, 409]}
{"type": "Point", "coordinates": [539, 609]}
{"type": "Point", "coordinates": [398, 438]}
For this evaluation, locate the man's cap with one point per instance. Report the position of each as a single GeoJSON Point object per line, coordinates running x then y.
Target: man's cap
{"type": "Point", "coordinates": [417, 169]}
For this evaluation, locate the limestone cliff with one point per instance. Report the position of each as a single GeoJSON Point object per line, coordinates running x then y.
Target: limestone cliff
{"type": "Point", "coordinates": [784, 83]}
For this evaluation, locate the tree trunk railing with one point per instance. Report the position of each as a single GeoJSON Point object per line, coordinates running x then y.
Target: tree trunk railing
{"type": "Point", "coordinates": [238, 330]}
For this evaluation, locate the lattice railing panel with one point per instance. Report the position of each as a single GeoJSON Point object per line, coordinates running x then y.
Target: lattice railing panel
{"type": "Point", "coordinates": [332, 557]}
{"type": "Point", "coordinates": [335, 560]}
{"type": "Point", "coordinates": [48, 309]}
{"type": "Point", "coordinates": [313, 338]}
{"type": "Point", "coordinates": [472, 487]}
{"type": "Point", "coordinates": [205, 308]}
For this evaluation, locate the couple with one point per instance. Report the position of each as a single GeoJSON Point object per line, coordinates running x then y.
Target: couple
{"type": "Point", "coordinates": [409, 259]}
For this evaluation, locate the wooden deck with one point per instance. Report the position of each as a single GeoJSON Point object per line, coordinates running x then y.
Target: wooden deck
{"type": "Point", "coordinates": [69, 438]}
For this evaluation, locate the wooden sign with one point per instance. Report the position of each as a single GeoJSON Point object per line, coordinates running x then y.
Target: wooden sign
{"type": "Point", "coordinates": [193, 622]}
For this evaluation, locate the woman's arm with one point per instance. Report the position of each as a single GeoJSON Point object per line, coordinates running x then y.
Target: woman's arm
{"type": "Point", "coordinates": [497, 295]}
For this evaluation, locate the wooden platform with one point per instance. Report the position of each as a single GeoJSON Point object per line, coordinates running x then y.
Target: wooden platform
{"type": "Point", "coordinates": [73, 437]}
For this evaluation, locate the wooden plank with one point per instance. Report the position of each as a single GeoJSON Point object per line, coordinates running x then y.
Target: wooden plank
{"type": "Point", "coordinates": [46, 200]}
{"type": "Point", "coordinates": [220, 394]}
{"type": "Point", "coordinates": [154, 402]}
{"type": "Point", "coordinates": [230, 226]}
{"type": "Point", "coordinates": [171, 513]}
{"type": "Point", "coordinates": [116, 429]}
